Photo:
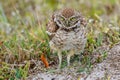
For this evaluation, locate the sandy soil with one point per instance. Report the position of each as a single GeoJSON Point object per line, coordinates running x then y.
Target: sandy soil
{"type": "Point", "coordinates": [109, 69]}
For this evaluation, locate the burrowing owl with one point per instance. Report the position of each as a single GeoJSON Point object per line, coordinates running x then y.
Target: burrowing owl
{"type": "Point", "coordinates": [67, 30]}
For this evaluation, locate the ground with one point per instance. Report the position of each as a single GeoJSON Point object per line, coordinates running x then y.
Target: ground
{"type": "Point", "coordinates": [108, 69]}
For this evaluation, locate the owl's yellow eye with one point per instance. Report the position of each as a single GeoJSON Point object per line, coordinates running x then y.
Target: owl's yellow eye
{"type": "Point", "coordinates": [62, 19]}
{"type": "Point", "coordinates": [72, 19]}
{"type": "Point", "coordinates": [75, 18]}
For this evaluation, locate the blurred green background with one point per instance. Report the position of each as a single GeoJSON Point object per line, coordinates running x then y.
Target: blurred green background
{"type": "Point", "coordinates": [22, 30]}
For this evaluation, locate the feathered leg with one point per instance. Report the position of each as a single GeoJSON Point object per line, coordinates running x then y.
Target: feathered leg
{"type": "Point", "coordinates": [60, 59]}
{"type": "Point", "coordinates": [69, 56]}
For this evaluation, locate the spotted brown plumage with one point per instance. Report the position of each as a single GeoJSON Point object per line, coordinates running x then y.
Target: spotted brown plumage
{"type": "Point", "coordinates": [67, 12]}
{"type": "Point", "coordinates": [69, 29]}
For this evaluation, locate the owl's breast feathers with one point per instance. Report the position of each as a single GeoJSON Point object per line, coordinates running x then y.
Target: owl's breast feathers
{"type": "Point", "coordinates": [64, 40]}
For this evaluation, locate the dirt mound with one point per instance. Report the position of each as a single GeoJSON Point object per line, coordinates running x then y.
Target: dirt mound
{"type": "Point", "coordinates": [110, 68]}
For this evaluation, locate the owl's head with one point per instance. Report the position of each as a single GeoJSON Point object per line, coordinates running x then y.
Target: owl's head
{"type": "Point", "coordinates": [69, 18]}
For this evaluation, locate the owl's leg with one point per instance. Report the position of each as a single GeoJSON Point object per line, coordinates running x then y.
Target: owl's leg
{"type": "Point", "coordinates": [80, 56]}
{"type": "Point", "coordinates": [60, 59]}
{"type": "Point", "coordinates": [68, 57]}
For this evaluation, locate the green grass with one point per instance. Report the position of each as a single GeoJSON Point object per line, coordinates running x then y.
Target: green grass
{"type": "Point", "coordinates": [23, 37]}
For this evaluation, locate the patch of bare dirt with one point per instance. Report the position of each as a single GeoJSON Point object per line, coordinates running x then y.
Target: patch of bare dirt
{"type": "Point", "coordinates": [109, 69]}
{"type": "Point", "coordinates": [62, 74]}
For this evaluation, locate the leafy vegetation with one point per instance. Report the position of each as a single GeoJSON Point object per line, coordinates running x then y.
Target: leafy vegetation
{"type": "Point", "coordinates": [23, 37]}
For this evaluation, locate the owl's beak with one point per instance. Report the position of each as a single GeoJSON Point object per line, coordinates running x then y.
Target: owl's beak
{"type": "Point", "coordinates": [67, 23]}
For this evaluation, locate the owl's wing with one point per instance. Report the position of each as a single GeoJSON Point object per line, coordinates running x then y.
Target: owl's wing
{"type": "Point", "coordinates": [51, 29]}
{"type": "Point", "coordinates": [50, 35]}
